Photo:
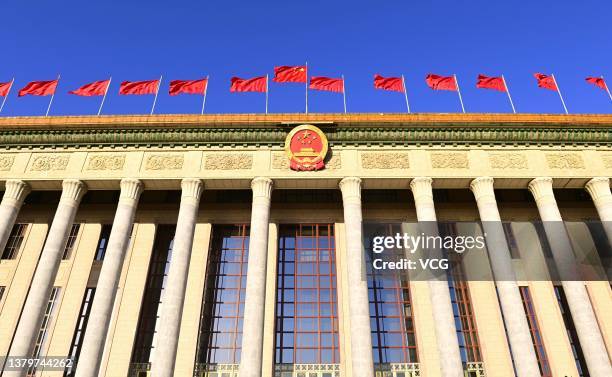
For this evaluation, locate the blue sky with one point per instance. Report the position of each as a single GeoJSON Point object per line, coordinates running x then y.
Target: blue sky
{"type": "Point", "coordinates": [187, 39]}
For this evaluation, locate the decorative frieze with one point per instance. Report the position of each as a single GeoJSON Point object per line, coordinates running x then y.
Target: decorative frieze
{"type": "Point", "coordinates": [382, 160]}
{"type": "Point", "coordinates": [607, 160]}
{"type": "Point", "coordinates": [281, 162]}
{"type": "Point", "coordinates": [6, 162]}
{"type": "Point", "coordinates": [50, 163]}
{"type": "Point", "coordinates": [228, 161]}
{"type": "Point", "coordinates": [106, 162]}
{"type": "Point", "coordinates": [449, 160]}
{"type": "Point", "coordinates": [564, 161]}
{"type": "Point", "coordinates": [508, 161]}
{"type": "Point", "coordinates": [164, 162]}
{"type": "Point", "coordinates": [335, 162]}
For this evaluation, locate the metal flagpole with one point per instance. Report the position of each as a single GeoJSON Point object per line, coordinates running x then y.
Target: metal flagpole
{"type": "Point", "coordinates": [459, 92]}
{"type": "Point", "coordinates": [266, 94]}
{"type": "Point", "coordinates": [559, 91]}
{"type": "Point", "coordinates": [306, 87]}
{"type": "Point", "coordinates": [508, 92]}
{"type": "Point", "coordinates": [604, 81]}
{"type": "Point", "coordinates": [52, 95]}
{"type": "Point", "coordinates": [9, 92]}
{"type": "Point", "coordinates": [103, 98]}
{"type": "Point", "coordinates": [205, 91]}
{"type": "Point", "coordinates": [405, 94]}
{"type": "Point", "coordinates": [156, 93]}
{"type": "Point", "coordinates": [344, 94]}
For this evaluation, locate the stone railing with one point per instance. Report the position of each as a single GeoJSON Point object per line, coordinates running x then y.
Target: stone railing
{"type": "Point", "coordinates": [474, 369]}
{"type": "Point", "coordinates": [398, 370]}
{"type": "Point", "coordinates": [216, 370]}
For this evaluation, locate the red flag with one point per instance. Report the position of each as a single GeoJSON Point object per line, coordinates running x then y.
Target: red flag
{"type": "Point", "coordinates": [97, 88]}
{"type": "Point", "coordinates": [4, 88]}
{"type": "Point", "coordinates": [39, 88]}
{"type": "Point", "coordinates": [287, 73]}
{"type": "Point", "coordinates": [598, 81]}
{"type": "Point", "coordinates": [326, 83]}
{"type": "Point", "coordinates": [486, 82]}
{"type": "Point", "coordinates": [545, 81]}
{"type": "Point", "coordinates": [139, 87]}
{"type": "Point", "coordinates": [187, 86]}
{"type": "Point", "coordinates": [395, 84]}
{"type": "Point", "coordinates": [437, 82]}
{"type": "Point", "coordinates": [256, 84]}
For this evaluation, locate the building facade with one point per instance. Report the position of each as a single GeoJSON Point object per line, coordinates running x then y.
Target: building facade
{"type": "Point", "coordinates": [179, 245]}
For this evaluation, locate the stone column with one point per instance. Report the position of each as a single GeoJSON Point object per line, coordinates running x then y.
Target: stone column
{"type": "Point", "coordinates": [14, 193]}
{"type": "Point", "coordinates": [106, 289]}
{"type": "Point", "coordinates": [164, 355]}
{"type": "Point", "coordinates": [591, 341]}
{"type": "Point", "coordinates": [517, 328]}
{"type": "Point", "coordinates": [44, 276]}
{"type": "Point", "coordinates": [599, 189]}
{"type": "Point", "coordinates": [359, 307]}
{"type": "Point", "coordinates": [254, 305]}
{"type": "Point", "coordinates": [446, 333]}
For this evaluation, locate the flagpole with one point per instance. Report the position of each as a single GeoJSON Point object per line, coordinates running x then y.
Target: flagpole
{"type": "Point", "coordinates": [156, 93]}
{"type": "Point", "coordinates": [344, 94]}
{"type": "Point", "coordinates": [52, 95]}
{"type": "Point", "coordinates": [508, 92]}
{"type": "Point", "coordinates": [306, 87]}
{"type": "Point", "coordinates": [103, 98]}
{"type": "Point", "coordinates": [205, 91]}
{"type": "Point", "coordinates": [559, 91]}
{"type": "Point", "coordinates": [604, 81]}
{"type": "Point", "coordinates": [11, 87]}
{"type": "Point", "coordinates": [459, 92]}
{"type": "Point", "coordinates": [405, 94]}
{"type": "Point", "coordinates": [266, 94]}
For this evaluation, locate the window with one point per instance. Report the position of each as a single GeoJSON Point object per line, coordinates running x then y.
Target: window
{"type": "Point", "coordinates": [391, 316]}
{"type": "Point", "coordinates": [536, 336]}
{"type": "Point", "coordinates": [465, 323]}
{"type": "Point", "coordinates": [14, 241]}
{"type": "Point", "coordinates": [79, 331]}
{"type": "Point", "coordinates": [153, 295]}
{"type": "Point", "coordinates": [103, 242]}
{"type": "Point", "coordinates": [1, 292]}
{"type": "Point", "coordinates": [572, 335]}
{"type": "Point", "coordinates": [220, 335]}
{"type": "Point", "coordinates": [541, 232]}
{"type": "Point", "coordinates": [72, 237]}
{"type": "Point", "coordinates": [42, 339]}
{"type": "Point", "coordinates": [306, 300]}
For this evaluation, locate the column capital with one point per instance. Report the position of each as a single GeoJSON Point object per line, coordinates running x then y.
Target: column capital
{"type": "Point", "coordinates": [130, 188]}
{"type": "Point", "coordinates": [262, 187]}
{"type": "Point", "coordinates": [482, 187]}
{"type": "Point", "coordinates": [16, 190]}
{"type": "Point", "coordinates": [598, 187]}
{"type": "Point", "coordinates": [191, 188]}
{"type": "Point", "coordinates": [541, 188]}
{"type": "Point", "coordinates": [421, 186]}
{"type": "Point", "coordinates": [73, 190]}
{"type": "Point", "coordinates": [351, 188]}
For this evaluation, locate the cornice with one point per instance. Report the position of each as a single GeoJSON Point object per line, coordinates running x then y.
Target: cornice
{"type": "Point", "coordinates": [341, 129]}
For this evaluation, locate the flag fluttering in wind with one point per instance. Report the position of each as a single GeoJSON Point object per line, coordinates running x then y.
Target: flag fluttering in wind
{"type": "Point", "coordinates": [327, 84]}
{"type": "Point", "coordinates": [5, 87]}
{"type": "Point", "coordinates": [437, 82]}
{"type": "Point", "coordinates": [546, 81]}
{"type": "Point", "coordinates": [187, 87]}
{"type": "Point", "coordinates": [255, 84]}
{"type": "Point", "coordinates": [394, 84]}
{"type": "Point", "coordinates": [597, 81]}
{"type": "Point", "coordinates": [39, 88]}
{"type": "Point", "coordinates": [96, 88]}
{"type": "Point", "coordinates": [287, 73]}
{"type": "Point", "coordinates": [488, 82]}
{"type": "Point", "coordinates": [139, 87]}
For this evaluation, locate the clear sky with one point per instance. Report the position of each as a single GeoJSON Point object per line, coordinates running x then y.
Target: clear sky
{"type": "Point", "coordinates": [86, 40]}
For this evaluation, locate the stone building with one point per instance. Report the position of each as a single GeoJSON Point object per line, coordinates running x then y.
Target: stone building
{"type": "Point", "coordinates": [180, 245]}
